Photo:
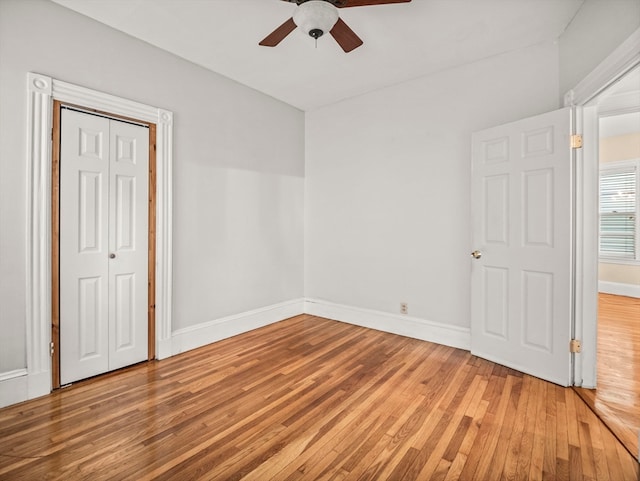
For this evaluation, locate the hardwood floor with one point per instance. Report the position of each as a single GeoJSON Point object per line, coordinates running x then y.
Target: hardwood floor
{"type": "Point", "coordinates": [311, 399]}
{"type": "Point", "coordinates": [617, 397]}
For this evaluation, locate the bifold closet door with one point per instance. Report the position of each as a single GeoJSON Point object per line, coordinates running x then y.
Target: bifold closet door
{"type": "Point", "coordinates": [103, 244]}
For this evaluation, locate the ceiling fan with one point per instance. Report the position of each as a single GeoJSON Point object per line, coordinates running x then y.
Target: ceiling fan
{"type": "Point", "coordinates": [317, 17]}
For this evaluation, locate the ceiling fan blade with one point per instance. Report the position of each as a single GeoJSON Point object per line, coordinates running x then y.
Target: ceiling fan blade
{"type": "Point", "coordinates": [345, 37]}
{"type": "Point", "coordinates": [275, 37]}
{"type": "Point", "coordinates": [366, 3]}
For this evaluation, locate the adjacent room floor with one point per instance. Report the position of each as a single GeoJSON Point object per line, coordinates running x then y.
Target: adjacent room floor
{"type": "Point", "coordinates": [617, 397]}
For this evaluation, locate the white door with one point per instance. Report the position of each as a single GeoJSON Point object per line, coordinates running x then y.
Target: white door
{"type": "Point", "coordinates": [521, 291]}
{"type": "Point", "coordinates": [103, 244]}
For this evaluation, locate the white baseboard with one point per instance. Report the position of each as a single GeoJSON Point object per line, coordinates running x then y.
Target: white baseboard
{"type": "Point", "coordinates": [454, 336]}
{"type": "Point", "coordinates": [18, 386]}
{"type": "Point", "coordinates": [619, 289]}
{"type": "Point", "coordinates": [13, 387]}
{"type": "Point", "coordinates": [197, 336]}
{"type": "Point", "coordinates": [193, 337]}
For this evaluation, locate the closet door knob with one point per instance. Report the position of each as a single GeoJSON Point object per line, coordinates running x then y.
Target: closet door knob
{"type": "Point", "coordinates": [112, 256]}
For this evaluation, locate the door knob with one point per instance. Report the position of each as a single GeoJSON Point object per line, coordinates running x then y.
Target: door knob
{"type": "Point", "coordinates": [112, 256]}
{"type": "Point", "coordinates": [476, 254]}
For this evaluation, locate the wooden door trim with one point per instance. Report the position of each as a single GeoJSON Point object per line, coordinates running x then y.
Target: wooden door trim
{"type": "Point", "coordinates": [55, 235]}
{"type": "Point", "coordinates": [55, 245]}
{"type": "Point", "coordinates": [151, 237]}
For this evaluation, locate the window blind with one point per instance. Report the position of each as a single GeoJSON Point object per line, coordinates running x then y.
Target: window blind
{"type": "Point", "coordinates": [618, 210]}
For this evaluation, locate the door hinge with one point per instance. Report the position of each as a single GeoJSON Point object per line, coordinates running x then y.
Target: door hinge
{"type": "Point", "coordinates": [51, 349]}
{"type": "Point", "coordinates": [576, 141]}
{"type": "Point", "coordinates": [575, 345]}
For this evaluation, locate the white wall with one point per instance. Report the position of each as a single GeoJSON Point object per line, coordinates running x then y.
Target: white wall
{"type": "Point", "coordinates": [238, 167]}
{"type": "Point", "coordinates": [387, 185]}
{"type": "Point", "coordinates": [597, 29]}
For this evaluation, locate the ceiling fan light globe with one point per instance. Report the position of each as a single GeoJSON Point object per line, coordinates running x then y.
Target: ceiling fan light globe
{"type": "Point", "coordinates": [314, 16]}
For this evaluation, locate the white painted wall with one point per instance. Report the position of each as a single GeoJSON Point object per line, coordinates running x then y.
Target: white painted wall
{"type": "Point", "coordinates": [597, 29]}
{"type": "Point", "coordinates": [387, 185]}
{"type": "Point", "coordinates": [238, 167]}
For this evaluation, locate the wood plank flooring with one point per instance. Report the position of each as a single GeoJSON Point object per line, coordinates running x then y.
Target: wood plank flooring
{"type": "Point", "coordinates": [311, 399]}
{"type": "Point", "coordinates": [617, 397]}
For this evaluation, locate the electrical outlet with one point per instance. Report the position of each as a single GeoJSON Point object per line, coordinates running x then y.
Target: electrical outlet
{"type": "Point", "coordinates": [404, 308]}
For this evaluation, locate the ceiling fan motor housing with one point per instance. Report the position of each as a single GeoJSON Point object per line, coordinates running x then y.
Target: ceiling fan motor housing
{"type": "Point", "coordinates": [315, 17]}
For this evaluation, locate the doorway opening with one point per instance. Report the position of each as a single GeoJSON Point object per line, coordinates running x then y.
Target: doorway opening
{"type": "Point", "coordinates": [616, 397]}
{"type": "Point", "coordinates": [149, 248]}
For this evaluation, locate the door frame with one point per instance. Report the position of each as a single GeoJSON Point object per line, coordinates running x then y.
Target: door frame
{"type": "Point", "coordinates": [55, 232]}
{"type": "Point", "coordinates": [622, 60]}
{"type": "Point", "coordinates": [42, 91]}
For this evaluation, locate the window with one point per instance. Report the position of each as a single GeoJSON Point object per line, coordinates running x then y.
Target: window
{"type": "Point", "coordinates": [619, 229]}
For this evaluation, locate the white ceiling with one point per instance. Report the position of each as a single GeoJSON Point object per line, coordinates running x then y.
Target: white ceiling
{"type": "Point", "coordinates": [401, 42]}
{"type": "Point", "coordinates": [619, 124]}
{"type": "Point", "coordinates": [619, 106]}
